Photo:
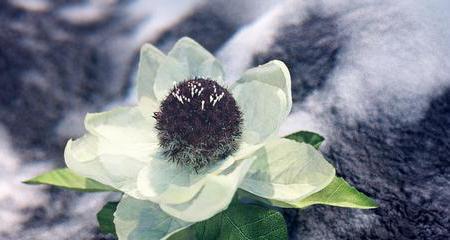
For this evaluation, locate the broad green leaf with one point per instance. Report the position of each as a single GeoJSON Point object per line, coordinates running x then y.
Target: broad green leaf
{"type": "Point", "coordinates": [311, 138]}
{"type": "Point", "coordinates": [239, 221]}
{"type": "Point", "coordinates": [338, 193]}
{"type": "Point", "coordinates": [105, 218]}
{"type": "Point", "coordinates": [65, 178]}
{"type": "Point", "coordinates": [188, 233]}
{"type": "Point", "coordinates": [209, 229]}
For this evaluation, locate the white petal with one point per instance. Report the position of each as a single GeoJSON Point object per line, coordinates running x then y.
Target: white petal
{"type": "Point", "coordinates": [142, 220]}
{"type": "Point", "coordinates": [245, 151]}
{"type": "Point", "coordinates": [150, 61]}
{"type": "Point", "coordinates": [214, 197]}
{"type": "Point", "coordinates": [148, 107]}
{"type": "Point", "coordinates": [157, 73]}
{"type": "Point", "coordinates": [263, 107]}
{"type": "Point", "coordinates": [288, 170]}
{"type": "Point", "coordinates": [199, 61]}
{"type": "Point", "coordinates": [125, 127]}
{"type": "Point", "coordinates": [95, 158]}
{"type": "Point", "coordinates": [119, 143]}
{"type": "Point", "coordinates": [169, 74]}
{"type": "Point", "coordinates": [211, 69]}
{"type": "Point", "coordinates": [264, 96]}
{"type": "Point", "coordinates": [164, 182]}
{"type": "Point", "coordinates": [274, 73]}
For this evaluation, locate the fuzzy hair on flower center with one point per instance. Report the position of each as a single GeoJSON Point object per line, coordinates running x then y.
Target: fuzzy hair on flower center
{"type": "Point", "coordinates": [198, 123]}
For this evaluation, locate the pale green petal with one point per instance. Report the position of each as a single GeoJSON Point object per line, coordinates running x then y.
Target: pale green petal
{"type": "Point", "coordinates": [158, 73]}
{"type": "Point", "coordinates": [148, 107]}
{"type": "Point", "coordinates": [119, 143]}
{"type": "Point", "coordinates": [80, 156]}
{"type": "Point", "coordinates": [263, 107]}
{"type": "Point", "coordinates": [211, 69]}
{"type": "Point", "coordinates": [143, 220]}
{"type": "Point", "coordinates": [288, 170]}
{"type": "Point", "coordinates": [199, 61]}
{"type": "Point", "coordinates": [162, 181]}
{"type": "Point", "coordinates": [214, 197]}
{"type": "Point", "coordinates": [245, 150]}
{"type": "Point", "coordinates": [95, 158]}
{"type": "Point", "coordinates": [264, 96]}
{"type": "Point", "coordinates": [127, 127]}
{"type": "Point", "coordinates": [150, 60]}
{"type": "Point", "coordinates": [274, 73]}
{"type": "Point", "coordinates": [168, 75]}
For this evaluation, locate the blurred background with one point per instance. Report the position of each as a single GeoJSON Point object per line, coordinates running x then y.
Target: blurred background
{"type": "Point", "coordinates": [373, 77]}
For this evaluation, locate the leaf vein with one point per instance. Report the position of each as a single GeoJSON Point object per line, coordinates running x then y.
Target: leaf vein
{"type": "Point", "coordinates": [334, 192]}
{"type": "Point", "coordinates": [259, 220]}
{"type": "Point", "coordinates": [234, 225]}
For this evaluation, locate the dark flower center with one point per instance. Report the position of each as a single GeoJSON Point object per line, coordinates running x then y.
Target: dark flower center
{"type": "Point", "coordinates": [198, 123]}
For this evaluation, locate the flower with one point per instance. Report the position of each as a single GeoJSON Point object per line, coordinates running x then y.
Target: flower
{"type": "Point", "coordinates": [180, 155]}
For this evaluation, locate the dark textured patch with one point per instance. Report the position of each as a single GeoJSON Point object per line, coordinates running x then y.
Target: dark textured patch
{"type": "Point", "coordinates": [309, 50]}
{"type": "Point", "coordinates": [53, 213]}
{"type": "Point", "coordinates": [46, 70]}
{"type": "Point", "coordinates": [43, 75]}
{"type": "Point", "coordinates": [203, 25]}
{"type": "Point", "coordinates": [10, 88]}
{"type": "Point", "coordinates": [405, 167]}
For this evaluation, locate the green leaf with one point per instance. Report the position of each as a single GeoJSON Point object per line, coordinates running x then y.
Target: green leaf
{"type": "Point", "coordinates": [311, 138]}
{"type": "Point", "coordinates": [338, 193]}
{"type": "Point", "coordinates": [105, 218]}
{"type": "Point", "coordinates": [239, 221]}
{"type": "Point", "coordinates": [65, 178]}
{"type": "Point", "coordinates": [188, 233]}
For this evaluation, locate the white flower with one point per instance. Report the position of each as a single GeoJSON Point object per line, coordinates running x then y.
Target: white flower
{"type": "Point", "coordinates": [130, 148]}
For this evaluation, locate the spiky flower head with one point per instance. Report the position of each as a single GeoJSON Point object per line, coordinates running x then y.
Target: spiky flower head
{"type": "Point", "coordinates": [198, 123]}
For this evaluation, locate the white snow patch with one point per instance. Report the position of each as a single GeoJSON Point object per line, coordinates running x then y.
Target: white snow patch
{"type": "Point", "coordinates": [15, 196]}
{"type": "Point", "coordinates": [32, 5]}
{"type": "Point", "coordinates": [394, 61]}
{"type": "Point", "coordinates": [86, 12]}
{"type": "Point", "coordinates": [155, 16]}
{"type": "Point", "coordinates": [255, 37]}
